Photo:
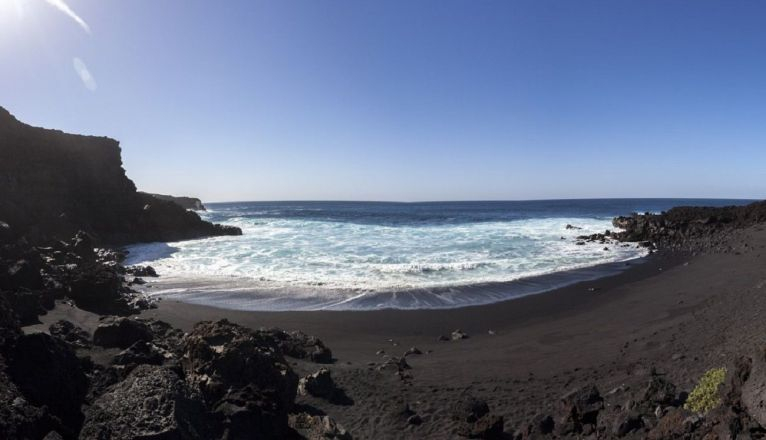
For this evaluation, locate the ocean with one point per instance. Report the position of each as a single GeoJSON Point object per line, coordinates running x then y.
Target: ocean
{"type": "Point", "coordinates": [373, 255]}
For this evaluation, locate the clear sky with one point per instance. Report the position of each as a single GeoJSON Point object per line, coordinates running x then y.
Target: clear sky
{"type": "Point", "coordinates": [403, 100]}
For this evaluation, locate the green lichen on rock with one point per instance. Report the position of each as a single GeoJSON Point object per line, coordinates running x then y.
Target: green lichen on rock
{"type": "Point", "coordinates": [704, 396]}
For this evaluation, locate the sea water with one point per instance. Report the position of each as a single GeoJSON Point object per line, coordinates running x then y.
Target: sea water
{"type": "Point", "coordinates": [370, 255]}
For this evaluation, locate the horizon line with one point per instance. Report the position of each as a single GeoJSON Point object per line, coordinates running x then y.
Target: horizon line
{"type": "Point", "coordinates": [477, 200]}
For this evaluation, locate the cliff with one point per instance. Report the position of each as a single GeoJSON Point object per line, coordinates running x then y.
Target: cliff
{"type": "Point", "coordinates": [192, 203]}
{"type": "Point", "coordinates": [53, 184]}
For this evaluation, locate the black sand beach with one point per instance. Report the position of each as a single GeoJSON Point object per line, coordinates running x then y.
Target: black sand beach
{"type": "Point", "coordinates": [679, 315]}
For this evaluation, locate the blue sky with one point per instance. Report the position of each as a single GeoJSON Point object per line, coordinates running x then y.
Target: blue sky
{"type": "Point", "coordinates": [403, 100]}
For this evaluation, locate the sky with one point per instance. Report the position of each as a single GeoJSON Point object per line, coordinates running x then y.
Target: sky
{"type": "Point", "coordinates": [402, 100]}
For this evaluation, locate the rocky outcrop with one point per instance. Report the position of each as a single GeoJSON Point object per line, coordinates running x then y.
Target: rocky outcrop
{"type": "Point", "coordinates": [243, 379]}
{"type": "Point", "coordinates": [184, 202]}
{"type": "Point", "coordinates": [688, 228]}
{"type": "Point", "coordinates": [53, 184]}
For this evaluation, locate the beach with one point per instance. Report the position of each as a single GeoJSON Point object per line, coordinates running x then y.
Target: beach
{"type": "Point", "coordinates": [674, 314]}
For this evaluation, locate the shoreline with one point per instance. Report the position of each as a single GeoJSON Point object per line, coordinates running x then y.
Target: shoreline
{"type": "Point", "coordinates": [217, 294]}
{"type": "Point", "coordinates": [506, 314]}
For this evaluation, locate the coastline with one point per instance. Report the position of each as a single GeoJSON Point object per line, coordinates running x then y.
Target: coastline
{"type": "Point", "coordinates": [676, 313]}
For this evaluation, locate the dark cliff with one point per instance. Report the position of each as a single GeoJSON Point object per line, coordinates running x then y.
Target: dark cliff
{"type": "Point", "coordinates": [192, 203]}
{"type": "Point", "coordinates": [53, 184]}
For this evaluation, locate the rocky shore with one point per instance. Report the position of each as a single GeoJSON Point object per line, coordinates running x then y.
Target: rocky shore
{"type": "Point", "coordinates": [118, 371]}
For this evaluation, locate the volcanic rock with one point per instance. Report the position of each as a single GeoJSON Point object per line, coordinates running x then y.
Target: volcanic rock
{"type": "Point", "coordinates": [153, 402]}
{"type": "Point", "coordinates": [121, 332]}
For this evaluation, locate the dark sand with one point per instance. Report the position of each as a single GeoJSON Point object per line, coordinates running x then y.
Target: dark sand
{"type": "Point", "coordinates": [682, 315]}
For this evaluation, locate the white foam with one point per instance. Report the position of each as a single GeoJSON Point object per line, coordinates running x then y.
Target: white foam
{"type": "Point", "coordinates": [294, 264]}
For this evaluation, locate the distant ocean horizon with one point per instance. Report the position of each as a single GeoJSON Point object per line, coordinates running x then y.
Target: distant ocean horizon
{"type": "Point", "coordinates": [311, 255]}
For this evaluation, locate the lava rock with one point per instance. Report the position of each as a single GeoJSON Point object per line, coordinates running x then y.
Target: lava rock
{"type": "Point", "coordinates": [458, 335]}
{"type": "Point", "coordinates": [153, 402]}
{"type": "Point", "coordinates": [47, 372]}
{"type": "Point", "coordinates": [121, 333]}
{"type": "Point", "coordinates": [474, 419]}
{"type": "Point", "coordinates": [243, 378]}
{"type": "Point", "coordinates": [319, 384]}
{"type": "Point", "coordinates": [73, 335]}
{"type": "Point", "coordinates": [302, 346]}
{"type": "Point", "coordinates": [578, 409]}
{"type": "Point", "coordinates": [141, 271]}
{"type": "Point", "coordinates": [313, 427]}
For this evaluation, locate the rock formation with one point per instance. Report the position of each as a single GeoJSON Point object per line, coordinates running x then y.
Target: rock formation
{"type": "Point", "coordinates": [53, 184]}
{"type": "Point", "coordinates": [192, 203]}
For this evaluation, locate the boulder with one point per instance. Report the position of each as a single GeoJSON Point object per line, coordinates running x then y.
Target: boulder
{"type": "Point", "coordinates": [19, 419]}
{"type": "Point", "coordinates": [121, 333]}
{"type": "Point", "coordinates": [73, 335]}
{"type": "Point", "coordinates": [141, 271]}
{"type": "Point", "coordinates": [659, 391]}
{"type": "Point", "coordinates": [244, 379]}
{"type": "Point", "coordinates": [474, 420]}
{"type": "Point", "coordinates": [302, 346]}
{"type": "Point", "coordinates": [47, 372]}
{"type": "Point", "coordinates": [313, 427]}
{"type": "Point", "coordinates": [458, 335]}
{"type": "Point", "coordinates": [319, 384]}
{"type": "Point", "coordinates": [140, 353]}
{"type": "Point", "coordinates": [99, 289]}
{"type": "Point", "coordinates": [22, 274]}
{"type": "Point", "coordinates": [578, 409]}
{"type": "Point", "coordinates": [153, 402]}
{"type": "Point", "coordinates": [82, 245]}
{"type": "Point", "coordinates": [626, 423]}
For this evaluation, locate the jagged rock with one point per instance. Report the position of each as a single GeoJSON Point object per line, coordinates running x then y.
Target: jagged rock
{"type": "Point", "coordinates": [22, 274]}
{"type": "Point", "coordinates": [659, 391]}
{"type": "Point", "coordinates": [474, 419]}
{"type": "Point", "coordinates": [73, 335]}
{"type": "Point", "coordinates": [458, 335]}
{"type": "Point", "coordinates": [53, 435]}
{"type": "Point", "coordinates": [319, 384]}
{"type": "Point", "coordinates": [29, 305]}
{"type": "Point", "coordinates": [47, 372]}
{"type": "Point", "coordinates": [318, 427]}
{"type": "Point", "coordinates": [121, 333]}
{"type": "Point", "coordinates": [141, 352]}
{"type": "Point", "coordinates": [153, 402]}
{"type": "Point", "coordinates": [20, 420]}
{"type": "Point", "coordinates": [302, 346]}
{"type": "Point", "coordinates": [141, 271]}
{"type": "Point", "coordinates": [394, 364]}
{"type": "Point", "coordinates": [83, 246]}
{"type": "Point", "coordinates": [99, 289]}
{"type": "Point", "coordinates": [578, 409]}
{"type": "Point", "coordinates": [242, 377]}
{"type": "Point", "coordinates": [626, 423]}
{"type": "Point", "coordinates": [540, 426]}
